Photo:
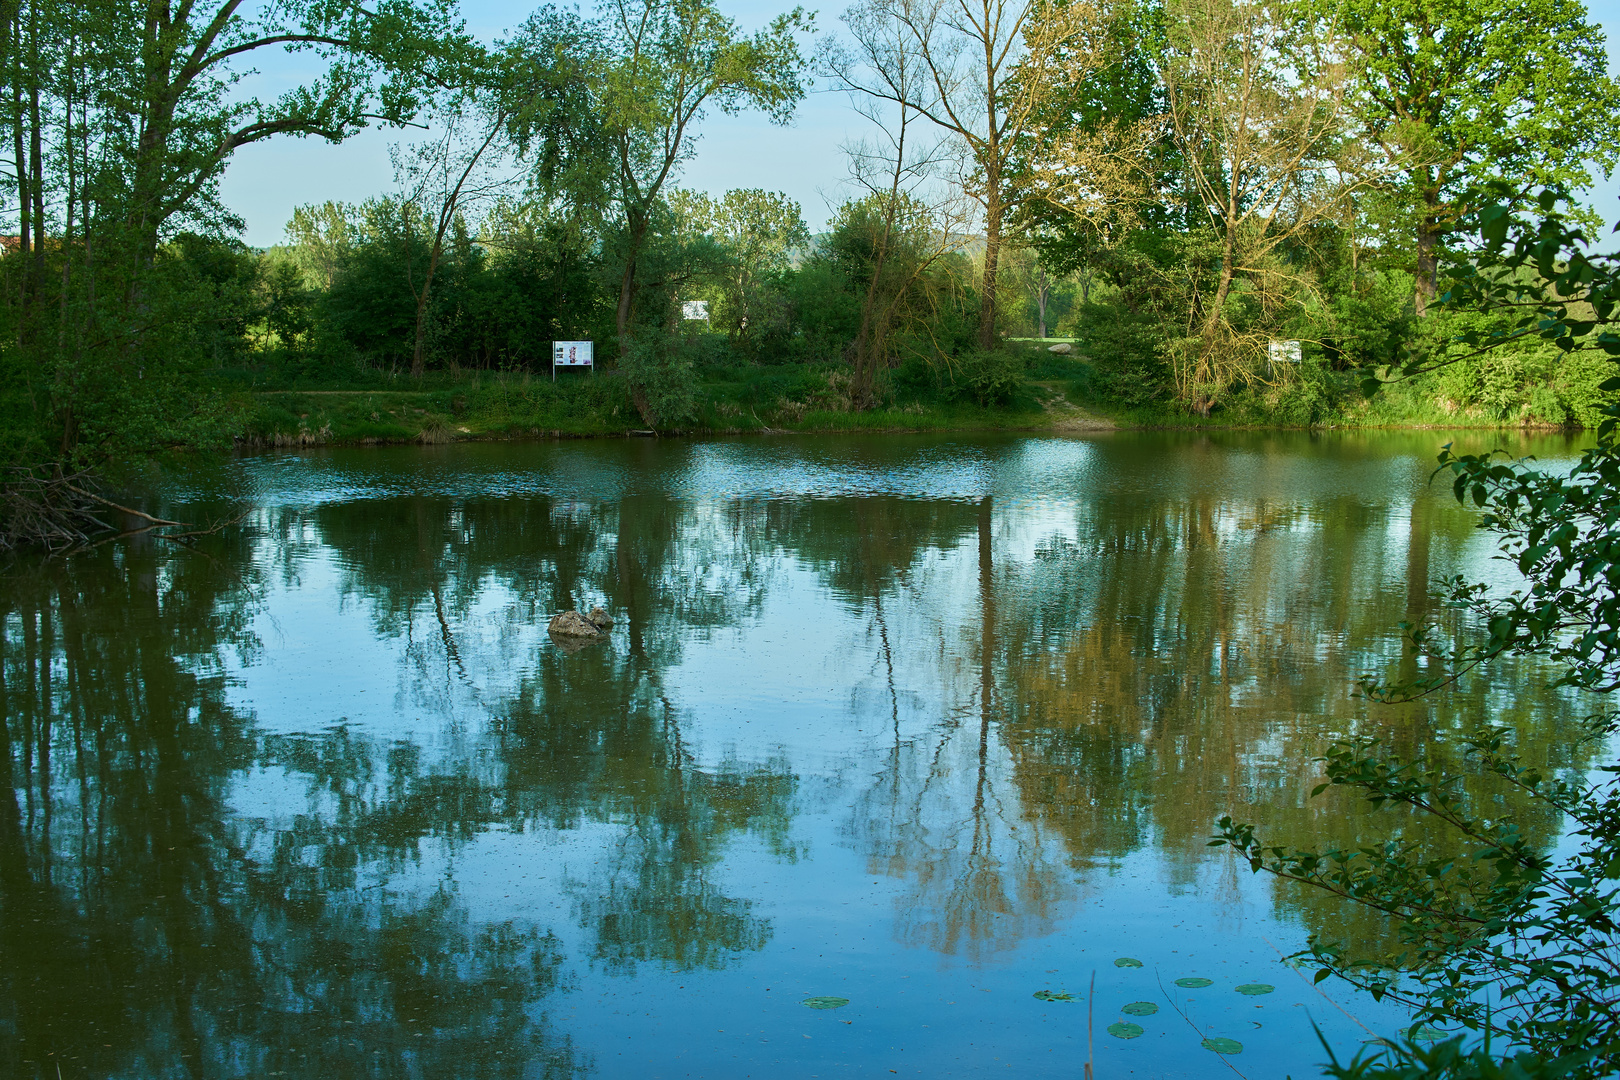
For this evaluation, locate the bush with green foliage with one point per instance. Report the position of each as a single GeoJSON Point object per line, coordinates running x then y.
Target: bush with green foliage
{"type": "Point", "coordinates": [658, 366]}
{"type": "Point", "coordinates": [1126, 351]}
{"type": "Point", "coordinates": [987, 376]}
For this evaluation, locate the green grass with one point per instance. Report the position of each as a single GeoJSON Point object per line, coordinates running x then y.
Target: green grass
{"type": "Point", "coordinates": [482, 405]}
{"type": "Point", "coordinates": [364, 407]}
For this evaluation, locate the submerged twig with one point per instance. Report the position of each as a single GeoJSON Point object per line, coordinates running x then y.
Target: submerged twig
{"type": "Point", "coordinates": [1091, 1011]}
{"type": "Point", "coordinates": [1201, 1036]}
{"type": "Point", "coordinates": [1319, 990]}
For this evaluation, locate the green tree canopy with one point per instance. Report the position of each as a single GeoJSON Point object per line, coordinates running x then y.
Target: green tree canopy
{"type": "Point", "coordinates": [1459, 92]}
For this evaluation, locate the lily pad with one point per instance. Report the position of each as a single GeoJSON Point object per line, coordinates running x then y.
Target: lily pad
{"type": "Point", "coordinates": [1430, 1034]}
{"type": "Point", "coordinates": [1053, 995]}
{"type": "Point", "coordinates": [1126, 961]}
{"type": "Point", "coordinates": [1255, 989]}
{"type": "Point", "coordinates": [1124, 1030]}
{"type": "Point", "coordinates": [1139, 1008]}
{"type": "Point", "coordinates": [824, 1002]}
{"type": "Point", "coordinates": [1222, 1046]}
{"type": "Point", "coordinates": [1194, 982]}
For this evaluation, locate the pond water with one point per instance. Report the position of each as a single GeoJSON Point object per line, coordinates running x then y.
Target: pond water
{"type": "Point", "coordinates": [937, 725]}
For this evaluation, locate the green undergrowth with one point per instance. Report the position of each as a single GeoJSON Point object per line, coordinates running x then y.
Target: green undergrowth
{"type": "Point", "coordinates": [481, 405]}
{"type": "Point", "coordinates": [1338, 404]}
{"type": "Point", "coordinates": [1021, 387]}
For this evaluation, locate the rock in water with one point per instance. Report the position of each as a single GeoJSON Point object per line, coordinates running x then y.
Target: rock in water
{"type": "Point", "coordinates": [599, 619]}
{"type": "Point", "coordinates": [1062, 348]}
{"type": "Point", "coordinates": [574, 625]}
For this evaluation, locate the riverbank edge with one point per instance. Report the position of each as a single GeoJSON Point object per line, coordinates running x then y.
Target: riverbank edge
{"type": "Point", "coordinates": [260, 429]}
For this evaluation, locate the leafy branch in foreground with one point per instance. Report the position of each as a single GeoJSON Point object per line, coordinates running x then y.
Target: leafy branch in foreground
{"type": "Point", "coordinates": [1492, 933]}
{"type": "Point", "coordinates": [1562, 532]}
{"type": "Point", "coordinates": [1538, 274]}
{"type": "Point", "coordinates": [1499, 938]}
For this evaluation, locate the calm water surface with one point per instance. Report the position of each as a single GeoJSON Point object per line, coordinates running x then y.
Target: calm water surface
{"type": "Point", "coordinates": [930, 724]}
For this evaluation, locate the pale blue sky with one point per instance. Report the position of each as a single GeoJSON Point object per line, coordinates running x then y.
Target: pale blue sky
{"type": "Point", "coordinates": [266, 181]}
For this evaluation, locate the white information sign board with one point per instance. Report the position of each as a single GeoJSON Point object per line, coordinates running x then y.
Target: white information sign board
{"type": "Point", "coordinates": [695, 309]}
{"type": "Point", "coordinates": [572, 354]}
{"type": "Point", "coordinates": [1283, 352]}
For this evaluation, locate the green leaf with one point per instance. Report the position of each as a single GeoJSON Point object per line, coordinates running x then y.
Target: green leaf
{"type": "Point", "coordinates": [1139, 1008]}
{"type": "Point", "coordinates": [1124, 1030]}
{"type": "Point", "coordinates": [824, 1002]}
{"type": "Point", "coordinates": [1053, 995]}
{"type": "Point", "coordinates": [1222, 1046]}
{"type": "Point", "coordinates": [1126, 961]}
{"type": "Point", "coordinates": [1255, 989]}
{"type": "Point", "coordinates": [1193, 982]}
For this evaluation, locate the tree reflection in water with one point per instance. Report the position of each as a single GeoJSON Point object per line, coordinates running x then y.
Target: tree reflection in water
{"type": "Point", "coordinates": [209, 943]}
{"type": "Point", "coordinates": [149, 932]}
{"type": "Point", "coordinates": [195, 886]}
{"type": "Point", "coordinates": [980, 874]}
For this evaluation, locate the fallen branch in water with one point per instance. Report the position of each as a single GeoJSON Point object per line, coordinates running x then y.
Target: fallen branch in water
{"type": "Point", "coordinates": [126, 510]}
{"type": "Point", "coordinates": [58, 511]}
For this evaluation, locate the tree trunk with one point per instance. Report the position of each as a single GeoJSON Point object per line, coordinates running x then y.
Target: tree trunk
{"type": "Point", "coordinates": [419, 349]}
{"type": "Point", "coordinates": [24, 202]}
{"type": "Point", "coordinates": [38, 183]}
{"type": "Point", "coordinates": [627, 282]}
{"type": "Point", "coordinates": [626, 308]}
{"type": "Point", "coordinates": [1042, 288]}
{"type": "Point", "coordinates": [626, 313]}
{"type": "Point", "coordinates": [1427, 274]}
{"type": "Point", "coordinates": [992, 254]}
{"type": "Point", "coordinates": [872, 331]}
{"type": "Point", "coordinates": [1203, 402]}
{"type": "Point", "coordinates": [418, 346]}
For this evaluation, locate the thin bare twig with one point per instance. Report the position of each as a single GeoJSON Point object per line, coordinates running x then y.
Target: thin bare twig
{"type": "Point", "coordinates": [143, 515]}
{"type": "Point", "coordinates": [1201, 1036]}
{"type": "Point", "coordinates": [1091, 1009]}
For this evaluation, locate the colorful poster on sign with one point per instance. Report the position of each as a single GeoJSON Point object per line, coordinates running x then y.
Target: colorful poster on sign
{"type": "Point", "coordinates": [572, 354]}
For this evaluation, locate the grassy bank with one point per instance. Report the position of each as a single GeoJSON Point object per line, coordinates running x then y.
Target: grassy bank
{"type": "Point", "coordinates": [1050, 392]}
{"type": "Point", "coordinates": [446, 406]}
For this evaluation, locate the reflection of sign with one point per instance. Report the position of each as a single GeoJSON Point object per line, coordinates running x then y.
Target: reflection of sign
{"type": "Point", "coordinates": [1283, 352]}
{"type": "Point", "coordinates": [695, 309]}
{"type": "Point", "coordinates": [572, 354]}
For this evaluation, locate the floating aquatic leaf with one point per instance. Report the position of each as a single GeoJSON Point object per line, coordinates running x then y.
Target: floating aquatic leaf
{"type": "Point", "coordinates": [1255, 989]}
{"type": "Point", "coordinates": [1430, 1034]}
{"type": "Point", "coordinates": [1140, 1008]}
{"type": "Point", "coordinates": [1126, 961]}
{"type": "Point", "coordinates": [1222, 1046]}
{"type": "Point", "coordinates": [1193, 982]}
{"type": "Point", "coordinates": [1124, 1030]}
{"type": "Point", "coordinates": [1053, 995]}
{"type": "Point", "coordinates": [825, 1002]}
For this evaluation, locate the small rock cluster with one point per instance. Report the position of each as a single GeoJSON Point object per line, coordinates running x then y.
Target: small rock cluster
{"type": "Point", "coordinates": [571, 624]}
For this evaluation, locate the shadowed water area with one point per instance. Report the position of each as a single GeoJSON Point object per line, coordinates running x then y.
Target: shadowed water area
{"type": "Point", "coordinates": [930, 724]}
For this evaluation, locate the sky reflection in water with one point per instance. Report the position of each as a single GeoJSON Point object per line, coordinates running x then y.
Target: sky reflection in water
{"type": "Point", "coordinates": [931, 724]}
